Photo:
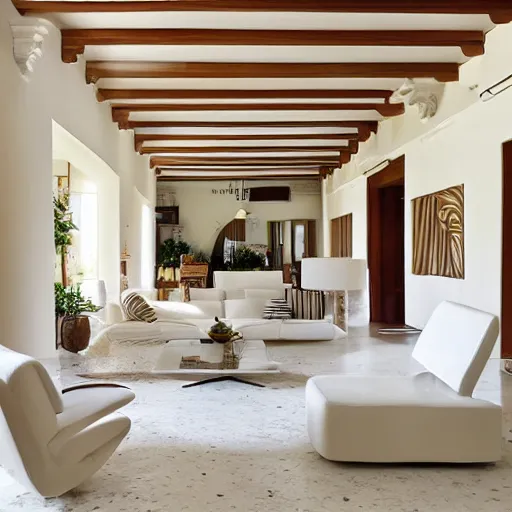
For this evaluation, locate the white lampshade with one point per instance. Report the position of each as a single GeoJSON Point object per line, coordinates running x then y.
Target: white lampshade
{"type": "Point", "coordinates": [333, 274]}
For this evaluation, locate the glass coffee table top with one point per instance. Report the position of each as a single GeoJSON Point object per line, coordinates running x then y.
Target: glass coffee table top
{"type": "Point", "coordinates": [194, 357]}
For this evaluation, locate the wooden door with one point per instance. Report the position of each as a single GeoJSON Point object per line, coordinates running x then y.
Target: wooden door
{"type": "Point", "coordinates": [386, 244]}
{"type": "Point", "coordinates": [506, 275]}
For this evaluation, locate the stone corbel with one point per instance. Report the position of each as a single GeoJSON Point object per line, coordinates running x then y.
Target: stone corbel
{"type": "Point", "coordinates": [27, 36]}
{"type": "Point", "coordinates": [426, 96]}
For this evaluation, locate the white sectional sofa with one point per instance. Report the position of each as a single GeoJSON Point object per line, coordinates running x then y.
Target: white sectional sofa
{"type": "Point", "coordinates": [238, 297]}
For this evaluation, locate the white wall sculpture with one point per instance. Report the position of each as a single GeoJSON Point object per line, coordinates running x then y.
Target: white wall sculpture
{"type": "Point", "coordinates": [28, 37]}
{"type": "Point", "coordinates": [426, 96]}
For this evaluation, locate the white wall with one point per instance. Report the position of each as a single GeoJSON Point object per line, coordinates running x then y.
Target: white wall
{"type": "Point", "coordinates": [203, 214]}
{"type": "Point", "coordinates": [140, 253]}
{"type": "Point", "coordinates": [462, 144]}
{"type": "Point", "coordinates": [58, 92]}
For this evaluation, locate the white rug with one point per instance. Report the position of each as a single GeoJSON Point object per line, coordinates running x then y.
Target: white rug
{"type": "Point", "coordinates": [229, 447]}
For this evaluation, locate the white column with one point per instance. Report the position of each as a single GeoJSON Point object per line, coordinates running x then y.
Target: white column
{"type": "Point", "coordinates": [326, 225]}
{"type": "Point", "coordinates": [26, 213]}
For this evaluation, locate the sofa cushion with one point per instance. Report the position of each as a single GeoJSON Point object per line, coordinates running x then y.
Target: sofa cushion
{"type": "Point", "coordinates": [229, 280]}
{"type": "Point", "coordinates": [189, 310]}
{"type": "Point", "coordinates": [244, 308]}
{"type": "Point", "coordinates": [277, 308]}
{"type": "Point", "coordinates": [264, 293]}
{"type": "Point", "coordinates": [207, 294]}
{"type": "Point", "coordinates": [136, 307]}
{"type": "Point", "coordinates": [257, 328]}
{"type": "Point", "coordinates": [235, 293]}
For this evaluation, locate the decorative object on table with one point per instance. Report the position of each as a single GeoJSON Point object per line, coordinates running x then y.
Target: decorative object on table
{"type": "Point", "coordinates": [221, 332]}
{"type": "Point", "coordinates": [334, 275]}
{"type": "Point", "coordinates": [73, 329]}
{"type": "Point", "coordinates": [438, 233]}
{"type": "Point", "coordinates": [136, 307]}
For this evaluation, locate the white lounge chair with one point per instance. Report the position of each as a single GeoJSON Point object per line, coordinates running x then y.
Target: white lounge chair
{"type": "Point", "coordinates": [52, 441]}
{"type": "Point", "coordinates": [428, 417]}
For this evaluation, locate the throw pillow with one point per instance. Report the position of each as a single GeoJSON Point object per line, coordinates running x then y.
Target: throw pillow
{"type": "Point", "coordinates": [244, 308]}
{"type": "Point", "coordinates": [189, 310]}
{"type": "Point", "coordinates": [277, 309]}
{"type": "Point", "coordinates": [136, 307]}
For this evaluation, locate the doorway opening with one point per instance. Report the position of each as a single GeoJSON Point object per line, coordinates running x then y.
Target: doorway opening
{"type": "Point", "coordinates": [506, 272]}
{"type": "Point", "coordinates": [386, 263]}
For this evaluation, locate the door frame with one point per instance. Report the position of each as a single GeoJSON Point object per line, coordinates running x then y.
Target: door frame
{"type": "Point", "coordinates": [506, 256]}
{"type": "Point", "coordinates": [393, 174]}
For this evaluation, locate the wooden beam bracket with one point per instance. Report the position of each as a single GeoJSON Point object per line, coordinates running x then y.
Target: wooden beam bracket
{"type": "Point", "coordinates": [70, 53]}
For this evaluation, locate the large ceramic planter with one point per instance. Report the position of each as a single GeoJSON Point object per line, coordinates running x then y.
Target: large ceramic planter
{"type": "Point", "coordinates": [75, 333]}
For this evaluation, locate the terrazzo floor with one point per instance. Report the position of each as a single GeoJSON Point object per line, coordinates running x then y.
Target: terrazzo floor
{"type": "Point", "coordinates": [229, 447]}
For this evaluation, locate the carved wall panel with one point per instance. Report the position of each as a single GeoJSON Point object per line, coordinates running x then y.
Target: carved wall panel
{"type": "Point", "coordinates": [438, 233]}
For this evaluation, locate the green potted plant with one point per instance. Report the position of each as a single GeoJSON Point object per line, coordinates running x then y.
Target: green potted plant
{"type": "Point", "coordinates": [247, 259]}
{"type": "Point", "coordinates": [171, 251]}
{"type": "Point", "coordinates": [72, 326]}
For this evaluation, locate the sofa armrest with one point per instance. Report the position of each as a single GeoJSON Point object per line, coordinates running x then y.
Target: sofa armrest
{"type": "Point", "coordinates": [113, 313]}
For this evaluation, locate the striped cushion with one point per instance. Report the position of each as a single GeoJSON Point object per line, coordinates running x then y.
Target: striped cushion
{"type": "Point", "coordinates": [136, 307]}
{"type": "Point", "coordinates": [277, 308]}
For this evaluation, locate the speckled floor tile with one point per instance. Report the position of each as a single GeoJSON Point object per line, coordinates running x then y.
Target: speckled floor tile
{"type": "Point", "coordinates": [227, 446]}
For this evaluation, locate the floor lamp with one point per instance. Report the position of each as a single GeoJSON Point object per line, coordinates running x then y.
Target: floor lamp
{"type": "Point", "coordinates": [337, 275]}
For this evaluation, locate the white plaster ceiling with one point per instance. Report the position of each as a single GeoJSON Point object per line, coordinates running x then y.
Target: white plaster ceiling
{"type": "Point", "coordinates": [274, 21]}
{"type": "Point", "coordinates": [305, 54]}
{"type": "Point", "coordinates": [280, 54]}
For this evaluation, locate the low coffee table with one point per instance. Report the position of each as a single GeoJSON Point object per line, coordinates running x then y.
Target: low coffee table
{"type": "Point", "coordinates": [194, 357]}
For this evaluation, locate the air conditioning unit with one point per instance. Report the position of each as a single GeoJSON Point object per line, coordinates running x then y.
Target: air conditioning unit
{"type": "Point", "coordinates": [269, 194]}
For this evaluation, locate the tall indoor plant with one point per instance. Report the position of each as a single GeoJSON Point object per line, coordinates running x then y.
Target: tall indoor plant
{"type": "Point", "coordinates": [62, 228]}
{"type": "Point", "coordinates": [72, 326]}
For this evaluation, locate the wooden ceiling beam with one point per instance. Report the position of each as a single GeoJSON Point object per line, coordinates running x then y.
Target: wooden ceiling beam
{"type": "Point", "coordinates": [140, 138]}
{"type": "Point", "coordinates": [442, 71]}
{"type": "Point", "coordinates": [254, 177]}
{"type": "Point", "coordinates": [384, 109]}
{"type": "Point", "coordinates": [74, 41]}
{"type": "Point", "coordinates": [311, 168]}
{"type": "Point", "coordinates": [162, 161]}
{"type": "Point", "coordinates": [223, 94]}
{"type": "Point", "coordinates": [147, 150]}
{"type": "Point", "coordinates": [372, 126]}
{"type": "Point", "coordinates": [500, 11]}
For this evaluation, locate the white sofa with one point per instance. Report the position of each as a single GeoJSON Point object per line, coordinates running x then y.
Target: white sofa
{"type": "Point", "coordinates": [428, 417]}
{"type": "Point", "coordinates": [241, 307]}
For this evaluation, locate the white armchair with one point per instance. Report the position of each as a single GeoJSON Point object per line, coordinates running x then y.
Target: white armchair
{"type": "Point", "coordinates": [51, 442]}
{"type": "Point", "coordinates": [428, 417]}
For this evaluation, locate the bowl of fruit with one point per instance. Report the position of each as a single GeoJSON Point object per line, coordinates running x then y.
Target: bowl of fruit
{"type": "Point", "coordinates": [221, 332]}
